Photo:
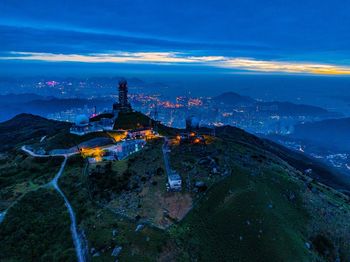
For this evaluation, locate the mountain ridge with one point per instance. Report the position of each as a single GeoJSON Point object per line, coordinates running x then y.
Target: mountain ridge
{"type": "Point", "coordinates": [260, 187]}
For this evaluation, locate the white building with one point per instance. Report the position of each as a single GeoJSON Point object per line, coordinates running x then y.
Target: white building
{"type": "Point", "coordinates": [174, 181]}
{"type": "Point", "coordinates": [83, 125]}
{"type": "Point", "coordinates": [141, 133]}
{"type": "Point", "coordinates": [127, 147]}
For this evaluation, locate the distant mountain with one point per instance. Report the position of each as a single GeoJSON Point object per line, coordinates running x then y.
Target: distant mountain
{"type": "Point", "coordinates": [11, 105]}
{"type": "Point", "coordinates": [274, 107]}
{"type": "Point", "coordinates": [232, 98]}
{"type": "Point", "coordinates": [330, 133]}
{"type": "Point", "coordinates": [19, 98]}
{"type": "Point", "coordinates": [291, 109]}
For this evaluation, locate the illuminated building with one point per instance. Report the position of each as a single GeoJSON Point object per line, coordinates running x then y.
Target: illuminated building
{"type": "Point", "coordinates": [190, 138]}
{"type": "Point", "coordinates": [141, 133]}
{"type": "Point", "coordinates": [118, 136]}
{"type": "Point", "coordinates": [127, 147]}
{"type": "Point", "coordinates": [105, 121]}
{"type": "Point", "coordinates": [104, 149]}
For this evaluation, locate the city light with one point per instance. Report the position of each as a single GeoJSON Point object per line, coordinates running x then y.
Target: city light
{"type": "Point", "coordinates": [118, 136]}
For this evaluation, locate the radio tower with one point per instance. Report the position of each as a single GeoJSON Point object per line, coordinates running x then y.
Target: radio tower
{"type": "Point", "coordinates": [123, 104]}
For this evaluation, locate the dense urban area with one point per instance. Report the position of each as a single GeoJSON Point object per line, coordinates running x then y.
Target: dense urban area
{"type": "Point", "coordinates": [66, 99]}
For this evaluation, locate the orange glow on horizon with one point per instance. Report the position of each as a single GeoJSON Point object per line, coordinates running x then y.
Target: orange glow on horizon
{"type": "Point", "coordinates": [248, 64]}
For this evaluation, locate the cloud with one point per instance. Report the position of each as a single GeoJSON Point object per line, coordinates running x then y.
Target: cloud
{"type": "Point", "coordinates": [115, 57]}
{"type": "Point", "coordinates": [247, 64]}
{"type": "Point", "coordinates": [285, 67]}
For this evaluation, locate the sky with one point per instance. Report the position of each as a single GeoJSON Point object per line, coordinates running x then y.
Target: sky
{"type": "Point", "coordinates": [222, 36]}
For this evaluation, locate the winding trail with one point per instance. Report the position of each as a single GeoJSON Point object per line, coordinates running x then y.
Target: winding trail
{"type": "Point", "coordinates": [54, 183]}
{"type": "Point", "coordinates": [76, 239]}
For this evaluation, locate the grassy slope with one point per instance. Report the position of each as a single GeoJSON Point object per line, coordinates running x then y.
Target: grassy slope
{"type": "Point", "coordinates": [26, 128]}
{"type": "Point", "coordinates": [146, 195]}
{"type": "Point", "coordinates": [244, 212]}
{"type": "Point", "coordinates": [98, 223]}
{"type": "Point", "coordinates": [265, 210]}
{"type": "Point", "coordinates": [134, 120]}
{"type": "Point", "coordinates": [321, 172]}
{"type": "Point", "coordinates": [248, 216]}
{"type": "Point", "coordinates": [20, 174]}
{"type": "Point", "coordinates": [37, 228]}
{"type": "Point", "coordinates": [64, 140]}
{"type": "Point", "coordinates": [237, 222]}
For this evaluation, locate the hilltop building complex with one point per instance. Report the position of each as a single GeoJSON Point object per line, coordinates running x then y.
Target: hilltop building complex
{"type": "Point", "coordinates": [105, 121]}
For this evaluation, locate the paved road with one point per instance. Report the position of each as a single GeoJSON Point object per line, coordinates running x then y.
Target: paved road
{"type": "Point", "coordinates": [54, 183]}
{"type": "Point", "coordinates": [75, 235]}
{"type": "Point", "coordinates": [31, 153]}
{"type": "Point", "coordinates": [165, 150]}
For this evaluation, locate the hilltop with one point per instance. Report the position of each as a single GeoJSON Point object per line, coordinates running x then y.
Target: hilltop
{"type": "Point", "coordinates": [287, 108]}
{"type": "Point", "coordinates": [27, 127]}
{"type": "Point", "coordinates": [273, 107]}
{"type": "Point", "coordinates": [134, 120]}
{"type": "Point", "coordinates": [239, 193]}
{"type": "Point", "coordinates": [13, 104]}
{"type": "Point", "coordinates": [232, 98]}
{"type": "Point", "coordinates": [329, 133]}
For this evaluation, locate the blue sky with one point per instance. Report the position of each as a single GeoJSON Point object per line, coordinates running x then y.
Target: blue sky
{"type": "Point", "coordinates": [307, 37]}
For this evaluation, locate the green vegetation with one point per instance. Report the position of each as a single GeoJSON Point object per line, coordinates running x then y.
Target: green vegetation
{"type": "Point", "coordinates": [103, 182]}
{"type": "Point", "coordinates": [265, 205]}
{"type": "Point", "coordinates": [27, 129]}
{"type": "Point", "coordinates": [21, 173]}
{"type": "Point", "coordinates": [133, 120]}
{"type": "Point", "coordinates": [104, 229]}
{"type": "Point", "coordinates": [110, 179]}
{"type": "Point", "coordinates": [64, 140]}
{"type": "Point", "coordinates": [257, 204]}
{"type": "Point", "coordinates": [145, 197]}
{"type": "Point", "coordinates": [244, 211]}
{"type": "Point", "coordinates": [187, 161]}
{"type": "Point", "coordinates": [37, 228]}
{"type": "Point", "coordinates": [248, 208]}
